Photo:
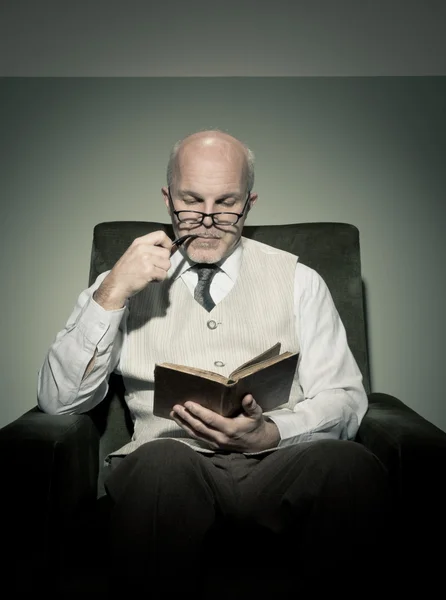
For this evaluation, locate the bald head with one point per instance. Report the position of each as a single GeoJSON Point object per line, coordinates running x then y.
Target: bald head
{"type": "Point", "coordinates": [215, 147]}
{"type": "Point", "coordinates": [210, 173]}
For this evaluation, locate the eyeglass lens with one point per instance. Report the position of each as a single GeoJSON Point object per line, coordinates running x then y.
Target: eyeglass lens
{"type": "Point", "coordinates": [192, 217]}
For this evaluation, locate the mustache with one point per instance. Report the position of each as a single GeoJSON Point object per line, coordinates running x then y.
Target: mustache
{"type": "Point", "coordinates": [207, 236]}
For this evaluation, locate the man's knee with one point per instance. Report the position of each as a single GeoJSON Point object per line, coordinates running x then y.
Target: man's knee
{"type": "Point", "coordinates": [338, 468]}
{"type": "Point", "coordinates": [345, 456]}
{"type": "Point", "coordinates": [164, 454]}
{"type": "Point", "coordinates": [349, 472]}
{"type": "Point", "coordinates": [153, 464]}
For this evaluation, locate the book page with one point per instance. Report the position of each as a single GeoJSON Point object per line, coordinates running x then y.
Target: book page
{"type": "Point", "coordinates": [252, 368]}
{"type": "Point", "coordinates": [199, 372]}
{"type": "Point", "coordinates": [273, 351]}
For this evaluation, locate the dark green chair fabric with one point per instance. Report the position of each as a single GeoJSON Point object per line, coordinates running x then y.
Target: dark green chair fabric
{"type": "Point", "coordinates": [53, 503]}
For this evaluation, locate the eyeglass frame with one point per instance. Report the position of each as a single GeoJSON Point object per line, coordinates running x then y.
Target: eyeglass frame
{"type": "Point", "coordinates": [204, 215]}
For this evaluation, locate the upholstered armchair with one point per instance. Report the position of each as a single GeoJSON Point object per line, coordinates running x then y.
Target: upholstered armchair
{"type": "Point", "coordinates": [54, 508]}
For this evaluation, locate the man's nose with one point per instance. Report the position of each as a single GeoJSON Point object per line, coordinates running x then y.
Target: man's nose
{"type": "Point", "coordinates": [207, 221]}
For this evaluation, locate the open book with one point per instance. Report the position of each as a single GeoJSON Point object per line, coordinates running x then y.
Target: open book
{"type": "Point", "coordinates": [268, 377]}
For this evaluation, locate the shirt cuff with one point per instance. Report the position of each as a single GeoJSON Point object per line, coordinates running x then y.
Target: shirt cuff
{"type": "Point", "coordinates": [289, 433]}
{"type": "Point", "coordinates": [100, 326]}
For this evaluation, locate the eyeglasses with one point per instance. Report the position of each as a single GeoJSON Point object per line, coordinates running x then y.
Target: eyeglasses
{"type": "Point", "coordinates": [195, 217]}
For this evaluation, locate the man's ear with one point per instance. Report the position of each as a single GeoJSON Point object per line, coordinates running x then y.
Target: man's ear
{"type": "Point", "coordinates": [165, 193]}
{"type": "Point", "coordinates": [252, 201]}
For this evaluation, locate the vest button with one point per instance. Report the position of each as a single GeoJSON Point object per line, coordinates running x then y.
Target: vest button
{"type": "Point", "coordinates": [211, 324]}
{"type": "Point", "coordinates": [218, 363]}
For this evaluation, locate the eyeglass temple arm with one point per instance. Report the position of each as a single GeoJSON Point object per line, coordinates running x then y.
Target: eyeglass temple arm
{"type": "Point", "coordinates": [179, 241]}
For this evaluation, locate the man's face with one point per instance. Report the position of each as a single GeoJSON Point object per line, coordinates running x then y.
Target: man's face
{"type": "Point", "coordinates": [210, 179]}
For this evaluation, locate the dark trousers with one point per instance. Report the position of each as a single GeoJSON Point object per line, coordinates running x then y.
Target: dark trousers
{"type": "Point", "coordinates": [317, 509]}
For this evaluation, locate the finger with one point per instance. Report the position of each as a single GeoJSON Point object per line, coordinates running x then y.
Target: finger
{"type": "Point", "coordinates": [211, 419]}
{"type": "Point", "coordinates": [250, 406]}
{"type": "Point", "coordinates": [192, 420]}
{"type": "Point", "coordinates": [156, 238]}
{"type": "Point", "coordinates": [158, 274]}
{"type": "Point", "coordinates": [182, 423]}
{"type": "Point", "coordinates": [159, 261]}
{"type": "Point", "coordinates": [147, 250]}
{"type": "Point", "coordinates": [192, 431]}
{"type": "Point", "coordinates": [201, 429]}
{"type": "Point", "coordinates": [158, 251]}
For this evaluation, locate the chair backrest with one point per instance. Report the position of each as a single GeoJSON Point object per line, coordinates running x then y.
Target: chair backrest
{"type": "Point", "coordinates": [332, 249]}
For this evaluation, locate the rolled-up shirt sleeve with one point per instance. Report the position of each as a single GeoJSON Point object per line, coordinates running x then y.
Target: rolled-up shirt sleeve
{"type": "Point", "coordinates": [333, 400]}
{"type": "Point", "coordinates": [90, 332]}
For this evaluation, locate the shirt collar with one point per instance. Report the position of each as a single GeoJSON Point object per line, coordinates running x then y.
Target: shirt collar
{"type": "Point", "coordinates": [230, 265]}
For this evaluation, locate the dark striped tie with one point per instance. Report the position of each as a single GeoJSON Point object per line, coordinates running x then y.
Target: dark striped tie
{"type": "Point", "coordinates": [202, 290]}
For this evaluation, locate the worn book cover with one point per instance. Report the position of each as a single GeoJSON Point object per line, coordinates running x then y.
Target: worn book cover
{"type": "Point", "coordinates": [268, 377]}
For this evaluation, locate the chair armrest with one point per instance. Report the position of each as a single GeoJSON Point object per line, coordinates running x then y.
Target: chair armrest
{"type": "Point", "coordinates": [407, 444]}
{"type": "Point", "coordinates": [49, 474]}
{"type": "Point", "coordinates": [414, 452]}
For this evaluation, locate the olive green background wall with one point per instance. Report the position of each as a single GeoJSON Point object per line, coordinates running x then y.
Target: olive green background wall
{"type": "Point", "coordinates": [368, 151]}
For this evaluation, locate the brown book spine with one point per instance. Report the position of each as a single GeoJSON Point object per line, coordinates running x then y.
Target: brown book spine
{"type": "Point", "coordinates": [231, 402]}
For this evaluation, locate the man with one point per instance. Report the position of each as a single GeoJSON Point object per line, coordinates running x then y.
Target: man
{"type": "Point", "coordinates": [294, 472]}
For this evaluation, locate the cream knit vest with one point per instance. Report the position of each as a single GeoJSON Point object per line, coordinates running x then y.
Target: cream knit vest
{"type": "Point", "coordinates": [166, 324]}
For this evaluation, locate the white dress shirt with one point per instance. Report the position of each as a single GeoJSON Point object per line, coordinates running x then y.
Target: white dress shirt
{"type": "Point", "coordinates": [334, 398]}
